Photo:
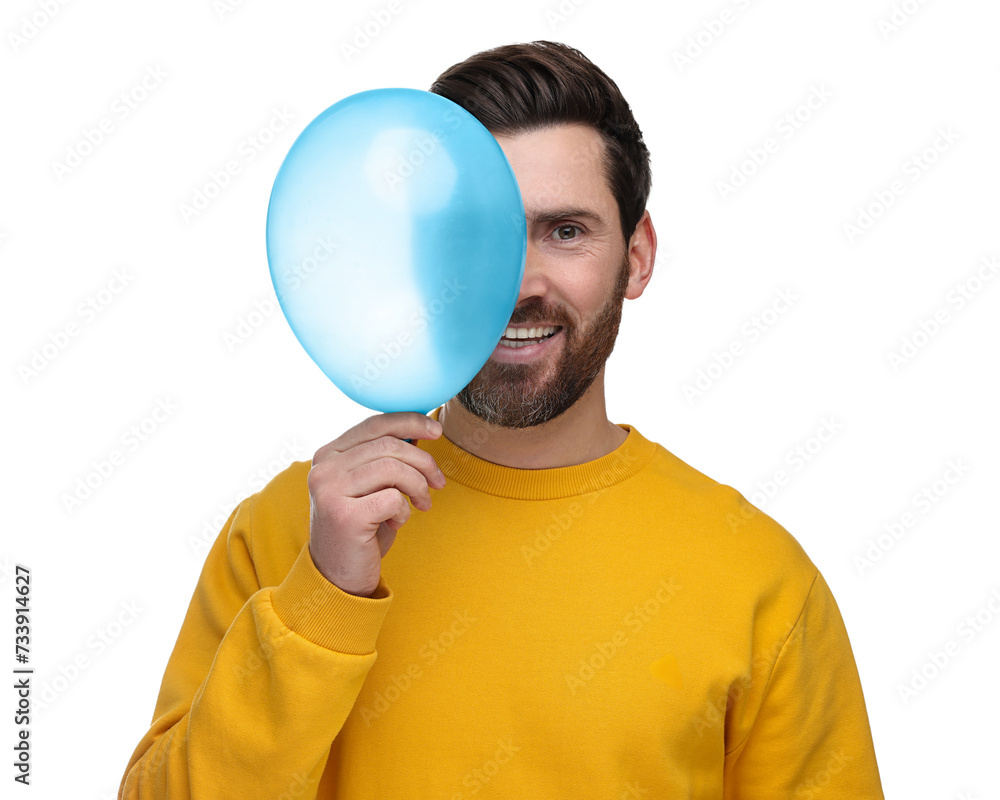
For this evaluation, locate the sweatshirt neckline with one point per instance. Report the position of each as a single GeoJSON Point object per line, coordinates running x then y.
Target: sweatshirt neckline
{"type": "Point", "coordinates": [540, 484]}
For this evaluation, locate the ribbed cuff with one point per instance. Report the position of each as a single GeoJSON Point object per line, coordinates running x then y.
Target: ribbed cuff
{"type": "Point", "coordinates": [325, 614]}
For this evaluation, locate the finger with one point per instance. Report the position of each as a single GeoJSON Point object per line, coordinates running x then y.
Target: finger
{"type": "Point", "coordinates": [387, 507]}
{"type": "Point", "coordinates": [401, 424]}
{"type": "Point", "coordinates": [389, 473]}
{"type": "Point", "coordinates": [391, 447]}
{"type": "Point", "coordinates": [386, 535]}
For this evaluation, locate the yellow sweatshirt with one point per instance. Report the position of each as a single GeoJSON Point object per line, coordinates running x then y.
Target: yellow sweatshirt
{"type": "Point", "coordinates": [623, 628]}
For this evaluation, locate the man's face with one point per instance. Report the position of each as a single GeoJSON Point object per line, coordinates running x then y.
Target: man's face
{"type": "Point", "coordinates": [575, 279]}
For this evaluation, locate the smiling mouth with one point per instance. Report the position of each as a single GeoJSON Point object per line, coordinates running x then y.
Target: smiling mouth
{"type": "Point", "coordinates": [515, 338]}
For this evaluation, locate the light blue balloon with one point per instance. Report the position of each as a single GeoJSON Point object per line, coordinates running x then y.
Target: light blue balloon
{"type": "Point", "coordinates": [396, 240]}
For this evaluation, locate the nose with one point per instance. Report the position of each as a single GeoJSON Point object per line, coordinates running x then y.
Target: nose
{"type": "Point", "coordinates": [535, 282]}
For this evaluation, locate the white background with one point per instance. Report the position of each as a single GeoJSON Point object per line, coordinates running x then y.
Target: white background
{"type": "Point", "coordinates": [243, 413]}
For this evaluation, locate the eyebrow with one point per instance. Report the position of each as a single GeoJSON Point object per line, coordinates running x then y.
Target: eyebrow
{"type": "Point", "coordinates": [545, 217]}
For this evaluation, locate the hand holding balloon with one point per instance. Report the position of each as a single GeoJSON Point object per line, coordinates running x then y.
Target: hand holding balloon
{"type": "Point", "coordinates": [358, 485]}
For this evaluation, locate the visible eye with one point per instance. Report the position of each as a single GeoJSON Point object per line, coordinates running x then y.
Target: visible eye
{"type": "Point", "coordinates": [566, 229]}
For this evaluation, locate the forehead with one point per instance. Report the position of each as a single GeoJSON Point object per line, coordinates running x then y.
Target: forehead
{"type": "Point", "coordinates": [559, 165]}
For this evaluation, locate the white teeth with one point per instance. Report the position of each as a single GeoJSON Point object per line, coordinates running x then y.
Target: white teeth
{"type": "Point", "coordinates": [529, 333]}
{"type": "Point", "coordinates": [513, 336]}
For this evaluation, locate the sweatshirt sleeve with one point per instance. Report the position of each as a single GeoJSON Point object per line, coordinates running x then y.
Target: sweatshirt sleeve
{"type": "Point", "coordinates": [811, 736]}
{"type": "Point", "coordinates": [259, 682]}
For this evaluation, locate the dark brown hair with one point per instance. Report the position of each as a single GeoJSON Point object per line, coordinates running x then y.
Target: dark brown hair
{"type": "Point", "coordinates": [517, 88]}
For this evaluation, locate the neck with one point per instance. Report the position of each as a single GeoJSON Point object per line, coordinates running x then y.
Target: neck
{"type": "Point", "coordinates": [581, 434]}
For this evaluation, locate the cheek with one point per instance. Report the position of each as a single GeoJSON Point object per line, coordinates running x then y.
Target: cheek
{"type": "Point", "coordinates": [584, 303]}
{"type": "Point", "coordinates": [583, 285]}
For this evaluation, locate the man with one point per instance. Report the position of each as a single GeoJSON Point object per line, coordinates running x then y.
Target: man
{"type": "Point", "coordinates": [579, 614]}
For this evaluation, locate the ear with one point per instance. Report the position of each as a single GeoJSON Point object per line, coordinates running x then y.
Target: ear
{"type": "Point", "coordinates": [641, 255]}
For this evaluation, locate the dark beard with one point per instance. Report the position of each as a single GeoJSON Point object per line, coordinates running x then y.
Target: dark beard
{"type": "Point", "coordinates": [510, 396]}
